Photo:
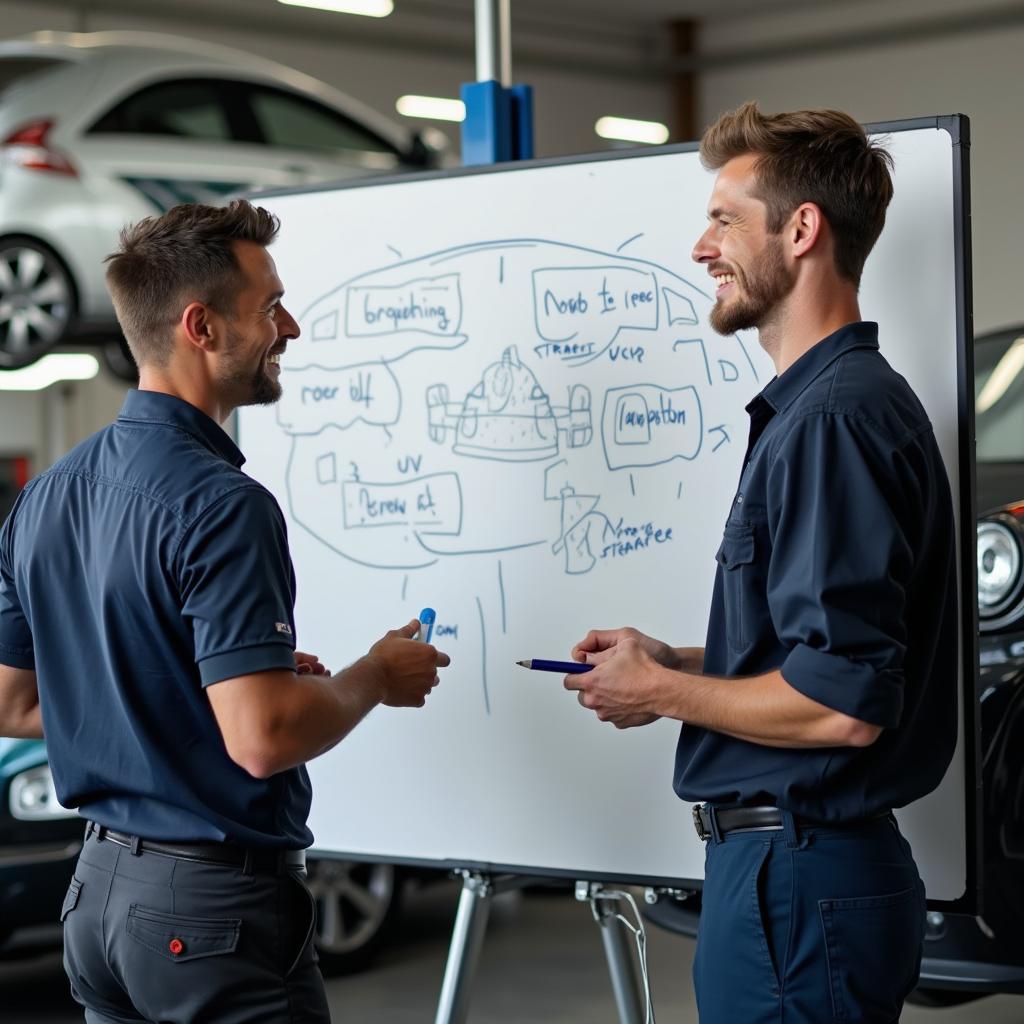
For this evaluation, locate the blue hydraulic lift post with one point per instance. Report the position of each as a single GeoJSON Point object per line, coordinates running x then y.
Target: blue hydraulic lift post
{"type": "Point", "coordinates": [498, 125]}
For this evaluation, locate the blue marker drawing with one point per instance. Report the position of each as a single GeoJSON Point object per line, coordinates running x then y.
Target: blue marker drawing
{"type": "Point", "coordinates": [508, 416]}
{"type": "Point", "coordinates": [427, 619]}
{"type": "Point", "coordinates": [439, 390]}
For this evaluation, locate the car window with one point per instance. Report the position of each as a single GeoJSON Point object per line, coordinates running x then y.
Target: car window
{"type": "Point", "coordinates": [188, 108]}
{"type": "Point", "coordinates": [14, 69]}
{"type": "Point", "coordinates": [296, 122]}
{"type": "Point", "coordinates": [999, 396]}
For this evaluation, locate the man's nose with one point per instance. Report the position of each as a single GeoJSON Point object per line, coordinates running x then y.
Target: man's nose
{"type": "Point", "coordinates": [287, 326]}
{"type": "Point", "coordinates": [706, 248]}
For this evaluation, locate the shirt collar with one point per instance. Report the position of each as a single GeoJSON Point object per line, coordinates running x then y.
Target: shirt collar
{"type": "Point", "coordinates": [156, 407]}
{"type": "Point", "coordinates": [781, 392]}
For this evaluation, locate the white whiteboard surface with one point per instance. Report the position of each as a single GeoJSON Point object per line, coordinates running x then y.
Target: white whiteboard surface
{"type": "Point", "coordinates": [504, 382]}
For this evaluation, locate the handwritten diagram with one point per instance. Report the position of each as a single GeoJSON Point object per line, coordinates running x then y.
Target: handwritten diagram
{"type": "Point", "coordinates": [503, 395]}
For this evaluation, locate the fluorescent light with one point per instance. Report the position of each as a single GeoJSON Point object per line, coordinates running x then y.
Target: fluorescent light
{"type": "Point", "coordinates": [368, 8]}
{"type": "Point", "coordinates": [1006, 372]}
{"type": "Point", "coordinates": [652, 132]}
{"type": "Point", "coordinates": [432, 108]}
{"type": "Point", "coordinates": [49, 370]}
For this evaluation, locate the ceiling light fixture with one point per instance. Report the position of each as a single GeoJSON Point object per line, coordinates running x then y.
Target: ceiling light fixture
{"type": "Point", "coordinates": [623, 128]}
{"type": "Point", "coordinates": [367, 8]}
{"type": "Point", "coordinates": [431, 108]}
{"type": "Point", "coordinates": [49, 370]}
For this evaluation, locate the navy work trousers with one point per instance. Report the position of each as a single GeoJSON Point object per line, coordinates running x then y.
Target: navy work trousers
{"type": "Point", "coordinates": [154, 938]}
{"type": "Point", "coordinates": [809, 926]}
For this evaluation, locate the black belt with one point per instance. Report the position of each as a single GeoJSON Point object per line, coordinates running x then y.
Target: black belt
{"type": "Point", "coordinates": [252, 860]}
{"type": "Point", "coordinates": [760, 819]}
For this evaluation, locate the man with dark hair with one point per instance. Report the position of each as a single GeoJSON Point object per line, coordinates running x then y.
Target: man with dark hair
{"type": "Point", "coordinates": [826, 693]}
{"type": "Point", "coordinates": [147, 627]}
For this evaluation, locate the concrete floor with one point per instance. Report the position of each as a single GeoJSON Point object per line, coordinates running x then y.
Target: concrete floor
{"type": "Point", "coordinates": [542, 960]}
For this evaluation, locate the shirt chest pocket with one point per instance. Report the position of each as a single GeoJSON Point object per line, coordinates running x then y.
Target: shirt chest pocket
{"type": "Point", "coordinates": [736, 558]}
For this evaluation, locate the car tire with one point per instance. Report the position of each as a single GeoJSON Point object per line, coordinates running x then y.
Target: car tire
{"type": "Point", "coordinates": [356, 907]}
{"type": "Point", "coordinates": [38, 303]}
{"type": "Point", "coordinates": [119, 361]}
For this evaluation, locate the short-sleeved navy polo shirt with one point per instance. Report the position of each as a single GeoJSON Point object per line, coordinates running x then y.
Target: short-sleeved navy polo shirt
{"type": "Point", "coordinates": [139, 569]}
{"type": "Point", "coordinates": [837, 566]}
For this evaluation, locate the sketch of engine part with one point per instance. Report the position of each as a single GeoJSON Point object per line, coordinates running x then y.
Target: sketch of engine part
{"type": "Point", "coordinates": [314, 398]}
{"type": "Point", "coordinates": [648, 425]}
{"type": "Point", "coordinates": [508, 416]}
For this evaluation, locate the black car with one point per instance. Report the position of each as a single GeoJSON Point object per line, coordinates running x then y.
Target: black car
{"type": "Point", "coordinates": [969, 957]}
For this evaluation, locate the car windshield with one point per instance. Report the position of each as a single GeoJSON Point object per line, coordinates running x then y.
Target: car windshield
{"type": "Point", "coordinates": [14, 69]}
{"type": "Point", "coordinates": [999, 396]}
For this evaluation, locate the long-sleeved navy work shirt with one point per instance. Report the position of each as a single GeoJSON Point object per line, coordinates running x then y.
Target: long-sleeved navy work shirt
{"type": "Point", "coordinates": [837, 567]}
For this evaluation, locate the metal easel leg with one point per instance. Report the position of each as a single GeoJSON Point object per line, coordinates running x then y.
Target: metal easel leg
{"type": "Point", "coordinates": [467, 938]}
{"type": "Point", "coordinates": [619, 952]}
{"type": "Point", "coordinates": [464, 951]}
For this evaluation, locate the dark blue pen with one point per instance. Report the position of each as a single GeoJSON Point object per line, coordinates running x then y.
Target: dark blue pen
{"type": "Point", "coordinates": [573, 668]}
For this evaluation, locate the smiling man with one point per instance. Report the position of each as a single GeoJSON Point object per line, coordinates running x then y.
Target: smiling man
{"type": "Point", "coordinates": [147, 628]}
{"type": "Point", "coordinates": [826, 693]}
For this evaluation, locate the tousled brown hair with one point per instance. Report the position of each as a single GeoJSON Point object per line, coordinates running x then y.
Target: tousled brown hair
{"type": "Point", "coordinates": [811, 156]}
{"type": "Point", "coordinates": [185, 255]}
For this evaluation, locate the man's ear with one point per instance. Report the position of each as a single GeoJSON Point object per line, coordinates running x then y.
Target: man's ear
{"type": "Point", "coordinates": [806, 229]}
{"type": "Point", "coordinates": [198, 322]}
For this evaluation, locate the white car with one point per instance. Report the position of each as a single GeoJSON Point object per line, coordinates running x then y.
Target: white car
{"type": "Point", "coordinates": [101, 129]}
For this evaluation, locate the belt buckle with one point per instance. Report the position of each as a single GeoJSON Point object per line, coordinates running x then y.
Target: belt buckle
{"type": "Point", "coordinates": [702, 833]}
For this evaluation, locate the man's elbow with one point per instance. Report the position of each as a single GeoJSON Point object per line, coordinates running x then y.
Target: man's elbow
{"type": "Point", "coordinates": [260, 752]}
{"type": "Point", "coordinates": [854, 732]}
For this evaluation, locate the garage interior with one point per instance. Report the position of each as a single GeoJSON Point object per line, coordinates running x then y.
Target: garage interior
{"type": "Point", "coordinates": [678, 63]}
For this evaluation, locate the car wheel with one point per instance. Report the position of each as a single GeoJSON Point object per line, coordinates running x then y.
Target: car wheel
{"type": "Point", "coordinates": [118, 359]}
{"type": "Point", "coordinates": [37, 301]}
{"type": "Point", "coordinates": [356, 905]}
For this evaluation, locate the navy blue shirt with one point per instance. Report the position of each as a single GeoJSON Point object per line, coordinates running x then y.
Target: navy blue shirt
{"type": "Point", "coordinates": [139, 569]}
{"type": "Point", "coordinates": [837, 567]}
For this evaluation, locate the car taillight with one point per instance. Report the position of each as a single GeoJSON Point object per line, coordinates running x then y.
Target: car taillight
{"type": "Point", "coordinates": [28, 148]}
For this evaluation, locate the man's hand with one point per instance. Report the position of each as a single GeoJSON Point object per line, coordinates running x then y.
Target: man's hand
{"type": "Point", "coordinates": [408, 667]}
{"type": "Point", "coordinates": [309, 664]}
{"type": "Point", "coordinates": [600, 644]}
{"type": "Point", "coordinates": [622, 688]}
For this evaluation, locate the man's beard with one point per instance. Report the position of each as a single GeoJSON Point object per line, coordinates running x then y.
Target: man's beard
{"type": "Point", "coordinates": [761, 289]}
{"type": "Point", "coordinates": [247, 387]}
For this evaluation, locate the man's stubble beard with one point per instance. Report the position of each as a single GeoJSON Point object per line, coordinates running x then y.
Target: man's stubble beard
{"type": "Point", "coordinates": [247, 387]}
{"type": "Point", "coordinates": [764, 286]}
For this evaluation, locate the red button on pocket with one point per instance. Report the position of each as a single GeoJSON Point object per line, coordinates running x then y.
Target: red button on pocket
{"type": "Point", "coordinates": [176, 946]}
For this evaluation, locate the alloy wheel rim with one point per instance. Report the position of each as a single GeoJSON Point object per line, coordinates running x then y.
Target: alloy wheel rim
{"type": "Point", "coordinates": [352, 902]}
{"type": "Point", "coordinates": [35, 301]}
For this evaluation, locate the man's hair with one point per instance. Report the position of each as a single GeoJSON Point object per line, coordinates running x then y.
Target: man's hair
{"type": "Point", "coordinates": [811, 156]}
{"type": "Point", "coordinates": [185, 255]}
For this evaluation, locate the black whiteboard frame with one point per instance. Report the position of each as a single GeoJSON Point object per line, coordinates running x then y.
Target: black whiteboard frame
{"type": "Point", "coordinates": [958, 127]}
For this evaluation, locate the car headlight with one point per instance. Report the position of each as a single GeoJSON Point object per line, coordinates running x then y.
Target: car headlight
{"type": "Point", "coordinates": [33, 797]}
{"type": "Point", "coordinates": [999, 568]}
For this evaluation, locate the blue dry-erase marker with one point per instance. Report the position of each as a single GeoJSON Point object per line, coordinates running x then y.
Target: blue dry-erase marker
{"type": "Point", "coordinates": [427, 619]}
{"type": "Point", "coordinates": [568, 668]}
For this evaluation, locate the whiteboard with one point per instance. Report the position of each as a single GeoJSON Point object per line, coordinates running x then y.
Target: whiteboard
{"type": "Point", "coordinates": [507, 404]}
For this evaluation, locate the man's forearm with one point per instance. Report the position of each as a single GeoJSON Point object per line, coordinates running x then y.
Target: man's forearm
{"type": "Point", "coordinates": [689, 659]}
{"type": "Point", "coordinates": [20, 716]}
{"type": "Point", "coordinates": [27, 725]}
{"type": "Point", "coordinates": [762, 709]}
{"type": "Point", "coordinates": [322, 711]}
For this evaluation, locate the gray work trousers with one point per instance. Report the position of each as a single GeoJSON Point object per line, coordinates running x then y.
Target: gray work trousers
{"type": "Point", "coordinates": [154, 938]}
